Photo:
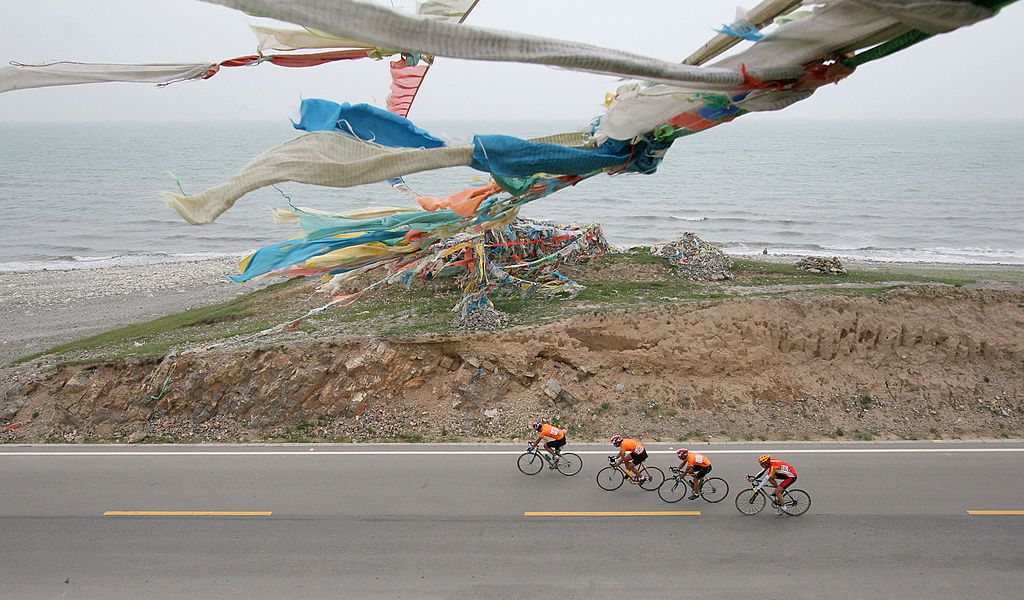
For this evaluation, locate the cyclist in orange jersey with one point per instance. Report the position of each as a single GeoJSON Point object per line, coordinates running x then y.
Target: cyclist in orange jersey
{"type": "Point", "coordinates": [696, 463]}
{"type": "Point", "coordinates": [777, 469]}
{"type": "Point", "coordinates": [632, 454]}
{"type": "Point", "coordinates": [556, 436]}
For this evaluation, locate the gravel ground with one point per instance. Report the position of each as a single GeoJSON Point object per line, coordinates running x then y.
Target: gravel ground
{"type": "Point", "coordinates": [40, 309]}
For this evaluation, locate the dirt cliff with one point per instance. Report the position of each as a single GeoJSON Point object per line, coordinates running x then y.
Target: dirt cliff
{"type": "Point", "coordinates": [911, 363]}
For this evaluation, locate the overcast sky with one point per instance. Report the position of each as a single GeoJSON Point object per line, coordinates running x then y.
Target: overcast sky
{"type": "Point", "coordinates": [970, 73]}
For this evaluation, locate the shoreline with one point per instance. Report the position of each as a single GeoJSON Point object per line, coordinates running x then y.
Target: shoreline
{"type": "Point", "coordinates": [865, 263]}
{"type": "Point", "coordinates": [782, 258]}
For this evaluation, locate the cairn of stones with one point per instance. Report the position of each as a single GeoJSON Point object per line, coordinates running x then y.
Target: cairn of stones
{"type": "Point", "coordinates": [821, 265]}
{"type": "Point", "coordinates": [696, 259]}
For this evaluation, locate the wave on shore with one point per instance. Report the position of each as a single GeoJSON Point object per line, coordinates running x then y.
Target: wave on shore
{"type": "Point", "coordinates": [74, 263]}
{"type": "Point", "coordinates": [937, 255]}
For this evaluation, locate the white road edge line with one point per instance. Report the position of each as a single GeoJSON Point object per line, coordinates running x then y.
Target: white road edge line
{"type": "Point", "coordinates": [315, 452]}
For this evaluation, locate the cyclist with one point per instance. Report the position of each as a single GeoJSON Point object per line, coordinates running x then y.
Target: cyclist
{"type": "Point", "coordinates": [775, 468]}
{"type": "Point", "coordinates": [557, 439]}
{"type": "Point", "coordinates": [696, 463]}
{"type": "Point", "coordinates": [632, 454]}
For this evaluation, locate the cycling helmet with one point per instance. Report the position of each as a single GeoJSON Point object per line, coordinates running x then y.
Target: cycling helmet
{"type": "Point", "coordinates": [764, 458]}
{"type": "Point", "coordinates": [616, 440]}
{"type": "Point", "coordinates": [681, 453]}
{"type": "Point", "coordinates": [535, 425]}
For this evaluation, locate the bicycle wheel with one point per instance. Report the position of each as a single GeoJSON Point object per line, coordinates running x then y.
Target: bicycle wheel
{"type": "Point", "coordinates": [750, 502]}
{"type": "Point", "coordinates": [714, 489]}
{"type": "Point", "coordinates": [657, 477]}
{"type": "Point", "coordinates": [673, 490]}
{"type": "Point", "coordinates": [796, 502]}
{"type": "Point", "coordinates": [530, 463]}
{"type": "Point", "coordinates": [569, 464]}
{"type": "Point", "coordinates": [610, 478]}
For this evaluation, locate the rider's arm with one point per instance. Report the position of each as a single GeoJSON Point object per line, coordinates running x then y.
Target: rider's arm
{"type": "Point", "coordinates": [761, 479]}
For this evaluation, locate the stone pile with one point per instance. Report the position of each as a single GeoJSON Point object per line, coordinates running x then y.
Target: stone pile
{"type": "Point", "coordinates": [819, 264]}
{"type": "Point", "coordinates": [696, 259]}
{"type": "Point", "coordinates": [481, 319]}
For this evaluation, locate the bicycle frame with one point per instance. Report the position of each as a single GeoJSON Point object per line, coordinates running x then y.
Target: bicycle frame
{"type": "Point", "coordinates": [764, 489]}
{"type": "Point", "coordinates": [685, 479]}
{"type": "Point", "coordinates": [642, 470]}
{"type": "Point", "coordinates": [541, 451]}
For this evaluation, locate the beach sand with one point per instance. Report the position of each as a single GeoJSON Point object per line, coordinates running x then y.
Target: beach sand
{"type": "Point", "coordinates": [41, 309]}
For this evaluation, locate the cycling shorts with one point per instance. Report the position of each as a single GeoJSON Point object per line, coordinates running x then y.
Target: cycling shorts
{"type": "Point", "coordinates": [700, 472]}
{"type": "Point", "coordinates": [786, 480]}
{"type": "Point", "coordinates": [638, 459]}
{"type": "Point", "coordinates": [554, 444]}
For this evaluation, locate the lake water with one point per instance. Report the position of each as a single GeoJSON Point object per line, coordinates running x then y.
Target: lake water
{"type": "Point", "coordinates": [87, 194]}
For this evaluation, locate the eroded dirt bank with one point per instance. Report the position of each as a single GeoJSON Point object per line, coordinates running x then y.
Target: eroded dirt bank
{"type": "Point", "coordinates": [905, 364]}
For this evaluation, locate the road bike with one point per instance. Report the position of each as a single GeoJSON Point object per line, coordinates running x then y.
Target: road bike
{"type": "Point", "coordinates": [675, 488]}
{"type": "Point", "coordinates": [750, 501]}
{"type": "Point", "coordinates": [611, 477]}
{"type": "Point", "coordinates": [533, 460]}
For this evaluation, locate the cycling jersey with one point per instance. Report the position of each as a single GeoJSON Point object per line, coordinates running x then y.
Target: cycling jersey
{"type": "Point", "coordinates": [632, 446]}
{"type": "Point", "coordinates": [552, 432]}
{"type": "Point", "coordinates": [696, 460]}
{"type": "Point", "coordinates": [781, 469]}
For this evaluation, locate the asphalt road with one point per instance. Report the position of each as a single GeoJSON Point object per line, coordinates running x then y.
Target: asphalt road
{"type": "Point", "coordinates": [420, 521]}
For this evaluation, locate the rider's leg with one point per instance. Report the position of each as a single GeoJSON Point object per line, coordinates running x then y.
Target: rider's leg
{"type": "Point", "coordinates": [639, 468]}
{"type": "Point", "coordinates": [778, 492]}
{"type": "Point", "coordinates": [788, 481]}
{"type": "Point", "coordinates": [630, 469]}
{"type": "Point", "coordinates": [556, 447]}
{"type": "Point", "coordinates": [698, 478]}
{"type": "Point", "coordinates": [547, 446]}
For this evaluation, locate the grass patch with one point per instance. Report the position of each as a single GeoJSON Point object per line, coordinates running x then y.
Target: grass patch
{"type": "Point", "coordinates": [754, 272]}
{"type": "Point", "coordinates": [865, 436]}
{"type": "Point", "coordinates": [637, 255]}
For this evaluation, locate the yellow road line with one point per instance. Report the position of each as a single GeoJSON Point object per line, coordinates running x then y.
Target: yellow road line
{"type": "Point", "coordinates": [185, 513]}
{"type": "Point", "coordinates": [995, 512]}
{"type": "Point", "coordinates": [655, 513]}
